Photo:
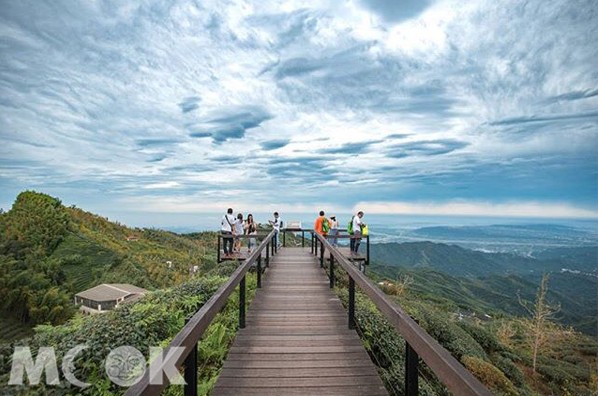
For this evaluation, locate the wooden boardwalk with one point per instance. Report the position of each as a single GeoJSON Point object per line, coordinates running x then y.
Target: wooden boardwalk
{"type": "Point", "coordinates": [297, 341]}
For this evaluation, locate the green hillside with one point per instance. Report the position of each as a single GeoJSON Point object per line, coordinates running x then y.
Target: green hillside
{"type": "Point", "coordinates": [458, 261]}
{"type": "Point", "coordinates": [491, 283]}
{"type": "Point", "coordinates": [49, 252]}
{"type": "Point", "coordinates": [450, 259]}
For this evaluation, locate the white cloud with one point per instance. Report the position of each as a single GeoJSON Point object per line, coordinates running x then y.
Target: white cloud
{"type": "Point", "coordinates": [508, 209]}
{"type": "Point", "coordinates": [164, 185]}
{"type": "Point", "coordinates": [219, 202]}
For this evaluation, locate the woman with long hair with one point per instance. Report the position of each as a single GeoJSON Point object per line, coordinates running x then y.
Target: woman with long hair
{"type": "Point", "coordinates": [250, 229]}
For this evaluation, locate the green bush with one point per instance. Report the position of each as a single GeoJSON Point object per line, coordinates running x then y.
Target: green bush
{"type": "Point", "coordinates": [450, 336]}
{"type": "Point", "coordinates": [483, 337]}
{"type": "Point", "coordinates": [489, 375]}
{"type": "Point", "coordinates": [555, 374]}
{"type": "Point", "coordinates": [511, 370]}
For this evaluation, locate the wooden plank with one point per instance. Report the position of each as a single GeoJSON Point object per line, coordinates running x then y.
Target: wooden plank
{"type": "Point", "coordinates": [290, 315]}
{"type": "Point", "coordinates": [298, 343]}
{"type": "Point", "coordinates": [297, 350]}
{"type": "Point", "coordinates": [274, 382]}
{"type": "Point", "coordinates": [295, 372]}
{"type": "Point", "coordinates": [294, 323]}
{"type": "Point", "coordinates": [275, 364]}
{"type": "Point", "coordinates": [305, 329]}
{"type": "Point", "coordinates": [289, 337]}
{"type": "Point", "coordinates": [299, 357]}
{"type": "Point", "coordinates": [304, 391]}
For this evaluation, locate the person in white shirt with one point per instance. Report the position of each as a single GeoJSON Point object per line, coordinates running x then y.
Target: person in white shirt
{"type": "Point", "coordinates": [276, 225]}
{"type": "Point", "coordinates": [226, 227]}
{"type": "Point", "coordinates": [238, 231]}
{"type": "Point", "coordinates": [357, 224]}
{"type": "Point", "coordinates": [333, 230]}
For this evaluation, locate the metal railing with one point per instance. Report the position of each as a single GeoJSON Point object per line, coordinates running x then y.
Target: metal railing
{"type": "Point", "coordinates": [190, 334]}
{"type": "Point", "coordinates": [419, 343]}
{"type": "Point", "coordinates": [340, 235]}
{"type": "Point", "coordinates": [258, 238]}
{"type": "Point", "coordinates": [294, 230]}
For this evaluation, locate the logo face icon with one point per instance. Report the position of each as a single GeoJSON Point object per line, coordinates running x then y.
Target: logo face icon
{"type": "Point", "coordinates": [125, 366]}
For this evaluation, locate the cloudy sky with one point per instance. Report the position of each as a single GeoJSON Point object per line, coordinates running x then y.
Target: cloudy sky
{"type": "Point", "coordinates": [136, 108]}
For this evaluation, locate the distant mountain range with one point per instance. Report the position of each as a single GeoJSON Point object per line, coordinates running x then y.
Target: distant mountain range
{"type": "Point", "coordinates": [522, 239]}
{"type": "Point", "coordinates": [490, 282]}
{"type": "Point", "coordinates": [521, 233]}
{"type": "Point", "coordinates": [458, 261]}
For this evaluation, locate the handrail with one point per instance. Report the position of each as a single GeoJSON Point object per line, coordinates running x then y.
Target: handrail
{"type": "Point", "coordinates": [337, 236]}
{"type": "Point", "coordinates": [258, 237]}
{"type": "Point", "coordinates": [194, 329]}
{"type": "Point", "coordinates": [451, 373]}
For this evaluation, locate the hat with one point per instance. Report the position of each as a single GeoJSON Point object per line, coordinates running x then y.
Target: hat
{"type": "Point", "coordinates": [332, 216]}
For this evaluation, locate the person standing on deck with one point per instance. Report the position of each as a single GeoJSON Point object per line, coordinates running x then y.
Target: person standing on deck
{"type": "Point", "coordinates": [357, 225]}
{"type": "Point", "coordinates": [250, 229]}
{"type": "Point", "coordinates": [334, 230]}
{"type": "Point", "coordinates": [322, 224]}
{"type": "Point", "coordinates": [238, 231]}
{"type": "Point", "coordinates": [276, 225]}
{"type": "Point", "coordinates": [226, 228]}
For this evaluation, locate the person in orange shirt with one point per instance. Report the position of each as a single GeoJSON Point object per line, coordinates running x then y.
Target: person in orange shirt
{"type": "Point", "coordinates": [322, 224]}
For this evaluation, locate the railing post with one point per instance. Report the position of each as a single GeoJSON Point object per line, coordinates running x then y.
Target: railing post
{"type": "Point", "coordinates": [302, 238]}
{"type": "Point", "coordinates": [331, 270]}
{"type": "Point", "coordinates": [321, 254]}
{"type": "Point", "coordinates": [313, 237]}
{"type": "Point", "coordinates": [191, 370]}
{"type": "Point", "coordinates": [312, 243]}
{"type": "Point", "coordinates": [411, 379]}
{"type": "Point", "coordinates": [268, 255]}
{"type": "Point", "coordinates": [367, 260]}
{"type": "Point", "coordinates": [351, 303]}
{"type": "Point", "coordinates": [242, 303]}
{"type": "Point", "coordinates": [218, 259]}
{"type": "Point", "coordinates": [259, 271]}
{"type": "Point", "coordinates": [284, 239]}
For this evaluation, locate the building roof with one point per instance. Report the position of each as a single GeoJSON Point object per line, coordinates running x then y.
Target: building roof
{"type": "Point", "coordinates": [110, 291]}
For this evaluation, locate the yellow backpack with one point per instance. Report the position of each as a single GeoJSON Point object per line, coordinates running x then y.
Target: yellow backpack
{"type": "Point", "coordinates": [365, 231]}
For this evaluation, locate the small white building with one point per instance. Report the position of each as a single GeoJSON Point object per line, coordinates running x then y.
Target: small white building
{"type": "Point", "coordinates": [107, 296]}
{"type": "Point", "coordinates": [293, 225]}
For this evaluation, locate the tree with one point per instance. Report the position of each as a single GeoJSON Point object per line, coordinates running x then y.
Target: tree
{"type": "Point", "coordinates": [506, 332]}
{"type": "Point", "coordinates": [537, 326]}
{"type": "Point", "coordinates": [403, 282]}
